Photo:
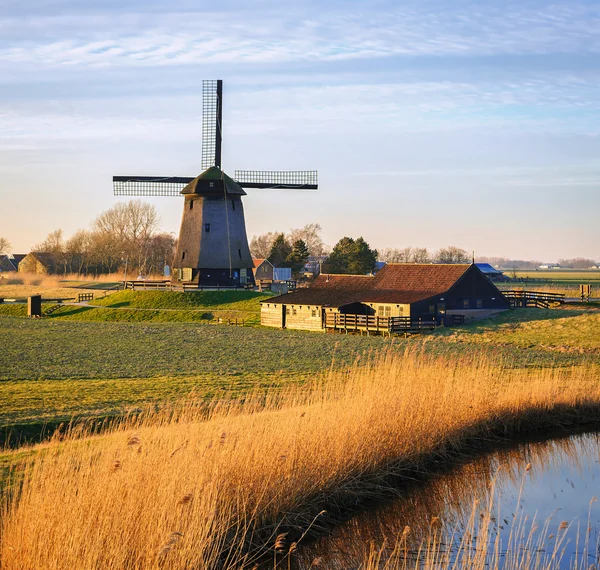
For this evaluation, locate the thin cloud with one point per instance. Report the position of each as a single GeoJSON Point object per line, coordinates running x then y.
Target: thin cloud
{"type": "Point", "coordinates": [294, 35]}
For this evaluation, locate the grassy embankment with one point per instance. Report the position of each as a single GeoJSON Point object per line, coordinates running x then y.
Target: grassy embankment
{"type": "Point", "coordinates": [213, 487]}
{"type": "Point", "coordinates": [160, 306]}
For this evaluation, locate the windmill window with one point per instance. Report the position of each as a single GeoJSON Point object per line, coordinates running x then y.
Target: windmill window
{"type": "Point", "coordinates": [480, 303]}
{"type": "Point", "coordinates": [207, 228]}
{"type": "Point", "coordinates": [233, 204]}
{"type": "Point", "coordinates": [183, 256]}
{"type": "Point", "coordinates": [191, 204]}
{"type": "Point", "coordinates": [465, 304]}
{"type": "Point", "coordinates": [240, 253]}
{"type": "Point", "coordinates": [211, 184]}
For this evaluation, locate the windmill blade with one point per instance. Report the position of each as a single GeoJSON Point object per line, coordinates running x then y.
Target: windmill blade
{"type": "Point", "coordinates": [293, 179]}
{"type": "Point", "coordinates": [212, 120]}
{"type": "Point", "coordinates": [149, 185]}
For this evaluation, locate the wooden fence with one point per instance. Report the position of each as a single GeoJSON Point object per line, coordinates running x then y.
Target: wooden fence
{"type": "Point", "coordinates": [533, 298]}
{"type": "Point", "coordinates": [389, 325]}
{"type": "Point", "coordinates": [168, 285]}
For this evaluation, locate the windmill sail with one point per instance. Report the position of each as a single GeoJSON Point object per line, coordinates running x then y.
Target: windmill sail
{"type": "Point", "coordinates": [150, 185]}
{"type": "Point", "coordinates": [293, 179]}
{"type": "Point", "coordinates": [212, 120]}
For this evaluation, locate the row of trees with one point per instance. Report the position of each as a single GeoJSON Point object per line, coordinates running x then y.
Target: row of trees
{"type": "Point", "coordinates": [261, 246]}
{"type": "Point", "coordinates": [349, 255]}
{"type": "Point", "coordinates": [125, 234]}
{"type": "Point", "coordinates": [577, 263]}
{"type": "Point", "coordinates": [451, 254]}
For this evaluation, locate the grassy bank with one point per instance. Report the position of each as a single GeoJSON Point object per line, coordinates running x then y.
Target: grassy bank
{"type": "Point", "coordinates": [159, 306]}
{"type": "Point", "coordinates": [212, 487]}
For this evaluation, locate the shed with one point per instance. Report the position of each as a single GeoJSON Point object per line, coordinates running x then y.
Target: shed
{"type": "Point", "coordinates": [406, 290]}
{"type": "Point", "coordinates": [38, 262]}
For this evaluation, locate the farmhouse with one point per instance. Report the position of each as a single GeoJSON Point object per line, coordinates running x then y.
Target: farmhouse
{"type": "Point", "coordinates": [38, 262]}
{"type": "Point", "coordinates": [10, 263]}
{"type": "Point", "coordinates": [397, 297]}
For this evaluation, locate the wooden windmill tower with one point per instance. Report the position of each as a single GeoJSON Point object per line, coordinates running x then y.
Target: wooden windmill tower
{"type": "Point", "coordinates": [213, 246]}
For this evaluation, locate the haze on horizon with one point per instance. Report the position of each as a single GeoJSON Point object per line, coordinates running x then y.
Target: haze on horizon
{"type": "Point", "coordinates": [473, 124]}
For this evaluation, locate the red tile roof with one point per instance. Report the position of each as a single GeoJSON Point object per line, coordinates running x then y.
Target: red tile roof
{"type": "Point", "coordinates": [401, 283]}
{"type": "Point", "coordinates": [258, 262]}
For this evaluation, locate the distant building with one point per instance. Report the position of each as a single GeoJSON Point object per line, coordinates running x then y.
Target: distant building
{"type": "Point", "coordinates": [549, 266]}
{"type": "Point", "coordinates": [282, 273]}
{"type": "Point", "coordinates": [263, 270]}
{"type": "Point", "coordinates": [10, 263]}
{"type": "Point", "coordinates": [411, 290]}
{"type": "Point", "coordinates": [38, 262]}
{"type": "Point", "coordinates": [492, 273]}
{"type": "Point", "coordinates": [313, 264]}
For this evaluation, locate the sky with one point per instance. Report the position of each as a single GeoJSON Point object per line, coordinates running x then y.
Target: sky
{"type": "Point", "coordinates": [431, 123]}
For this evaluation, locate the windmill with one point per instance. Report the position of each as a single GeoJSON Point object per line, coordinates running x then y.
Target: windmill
{"type": "Point", "coordinates": [213, 246]}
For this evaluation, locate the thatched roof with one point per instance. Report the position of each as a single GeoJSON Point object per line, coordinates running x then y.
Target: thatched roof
{"type": "Point", "coordinates": [401, 283]}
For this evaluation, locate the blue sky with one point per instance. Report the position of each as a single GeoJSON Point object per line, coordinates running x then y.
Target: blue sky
{"type": "Point", "coordinates": [431, 123]}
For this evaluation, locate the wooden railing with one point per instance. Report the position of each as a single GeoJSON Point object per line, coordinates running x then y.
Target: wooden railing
{"type": "Point", "coordinates": [538, 299]}
{"type": "Point", "coordinates": [339, 321]}
{"type": "Point", "coordinates": [168, 285]}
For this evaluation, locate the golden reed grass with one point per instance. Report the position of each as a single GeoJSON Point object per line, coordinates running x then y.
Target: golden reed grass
{"type": "Point", "coordinates": [213, 486]}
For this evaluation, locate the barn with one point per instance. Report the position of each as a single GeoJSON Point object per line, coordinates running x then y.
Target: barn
{"type": "Point", "coordinates": [397, 297]}
{"type": "Point", "coordinates": [38, 262]}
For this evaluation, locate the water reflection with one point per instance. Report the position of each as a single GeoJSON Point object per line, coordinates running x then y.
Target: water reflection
{"type": "Point", "coordinates": [536, 498]}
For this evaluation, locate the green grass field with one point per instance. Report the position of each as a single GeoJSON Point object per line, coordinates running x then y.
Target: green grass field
{"type": "Point", "coordinates": [559, 280]}
{"type": "Point", "coordinates": [53, 369]}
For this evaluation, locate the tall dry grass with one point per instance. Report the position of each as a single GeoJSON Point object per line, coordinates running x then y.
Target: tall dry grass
{"type": "Point", "coordinates": [214, 486]}
{"type": "Point", "coordinates": [50, 286]}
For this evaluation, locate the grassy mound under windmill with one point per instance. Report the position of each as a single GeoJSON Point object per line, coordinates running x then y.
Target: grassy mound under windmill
{"type": "Point", "coordinates": [161, 306]}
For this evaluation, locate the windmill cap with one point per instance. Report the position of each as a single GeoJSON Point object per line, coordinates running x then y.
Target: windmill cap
{"type": "Point", "coordinates": [211, 181]}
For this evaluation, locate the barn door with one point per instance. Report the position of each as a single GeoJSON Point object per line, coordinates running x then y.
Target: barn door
{"type": "Point", "coordinates": [283, 312]}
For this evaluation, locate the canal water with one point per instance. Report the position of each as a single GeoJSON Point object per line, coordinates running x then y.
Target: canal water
{"type": "Point", "coordinates": [531, 505]}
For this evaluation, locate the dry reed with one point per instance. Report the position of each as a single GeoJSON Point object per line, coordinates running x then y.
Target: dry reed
{"type": "Point", "coordinates": [214, 487]}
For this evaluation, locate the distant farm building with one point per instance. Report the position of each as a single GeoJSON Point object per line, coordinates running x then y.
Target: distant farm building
{"type": "Point", "coordinates": [10, 263]}
{"type": "Point", "coordinates": [263, 269]}
{"type": "Point", "coordinates": [492, 273]}
{"type": "Point", "coordinates": [38, 262]}
{"type": "Point", "coordinates": [398, 297]}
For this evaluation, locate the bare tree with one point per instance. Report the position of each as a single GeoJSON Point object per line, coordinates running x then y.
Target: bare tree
{"type": "Point", "coordinates": [78, 251]}
{"type": "Point", "coordinates": [5, 246]}
{"type": "Point", "coordinates": [55, 245]}
{"type": "Point", "coordinates": [421, 255]}
{"type": "Point", "coordinates": [452, 254]}
{"type": "Point", "coordinates": [162, 252]}
{"type": "Point", "coordinates": [130, 226]}
{"type": "Point", "coordinates": [310, 234]}
{"type": "Point", "coordinates": [407, 254]}
{"type": "Point", "coordinates": [52, 244]}
{"type": "Point", "coordinates": [260, 246]}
